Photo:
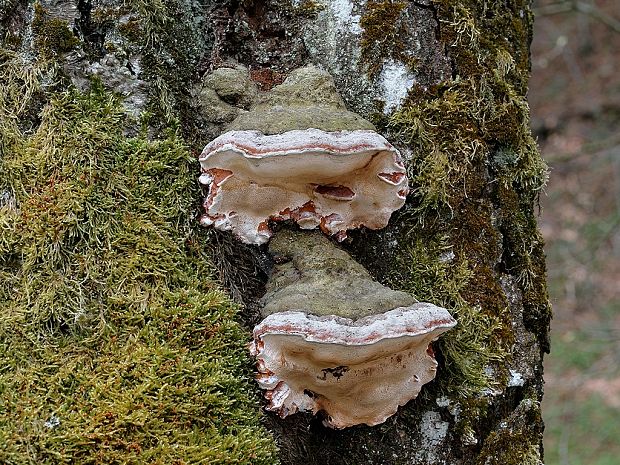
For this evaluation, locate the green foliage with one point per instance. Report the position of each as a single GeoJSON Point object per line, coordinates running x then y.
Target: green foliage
{"type": "Point", "coordinates": [593, 343]}
{"type": "Point", "coordinates": [116, 346]}
{"type": "Point", "coordinates": [570, 419]}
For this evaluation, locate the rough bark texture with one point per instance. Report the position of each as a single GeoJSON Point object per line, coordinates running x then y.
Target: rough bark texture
{"type": "Point", "coordinates": [445, 81]}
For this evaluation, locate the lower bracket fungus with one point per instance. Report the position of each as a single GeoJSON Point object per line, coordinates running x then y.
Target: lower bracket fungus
{"type": "Point", "coordinates": [347, 346]}
{"type": "Point", "coordinates": [357, 372]}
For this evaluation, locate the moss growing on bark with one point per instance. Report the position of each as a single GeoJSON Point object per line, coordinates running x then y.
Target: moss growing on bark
{"type": "Point", "coordinates": [434, 274]}
{"type": "Point", "coordinates": [517, 439]}
{"type": "Point", "coordinates": [116, 346]}
{"type": "Point", "coordinates": [170, 34]}
{"type": "Point", "coordinates": [383, 32]}
{"type": "Point", "coordinates": [52, 36]}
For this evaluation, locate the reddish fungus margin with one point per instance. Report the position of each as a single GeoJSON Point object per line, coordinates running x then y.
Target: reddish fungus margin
{"type": "Point", "coordinates": [335, 192]}
{"type": "Point", "coordinates": [393, 178]}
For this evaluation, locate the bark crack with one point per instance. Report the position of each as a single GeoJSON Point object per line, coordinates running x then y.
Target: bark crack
{"type": "Point", "coordinates": [92, 33]}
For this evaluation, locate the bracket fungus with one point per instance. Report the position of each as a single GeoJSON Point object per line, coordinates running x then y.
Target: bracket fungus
{"type": "Point", "coordinates": [332, 340]}
{"type": "Point", "coordinates": [347, 345]}
{"type": "Point", "coordinates": [332, 180]}
{"type": "Point", "coordinates": [356, 371]}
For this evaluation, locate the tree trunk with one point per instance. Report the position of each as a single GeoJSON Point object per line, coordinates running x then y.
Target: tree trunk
{"type": "Point", "coordinates": [443, 81]}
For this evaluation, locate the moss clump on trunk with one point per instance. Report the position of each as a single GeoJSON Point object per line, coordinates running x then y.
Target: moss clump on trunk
{"type": "Point", "coordinates": [383, 34]}
{"type": "Point", "coordinates": [52, 36]}
{"type": "Point", "coordinates": [116, 346]}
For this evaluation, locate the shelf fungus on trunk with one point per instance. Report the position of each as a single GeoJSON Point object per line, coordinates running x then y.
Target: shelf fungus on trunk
{"type": "Point", "coordinates": [332, 180]}
{"type": "Point", "coordinates": [333, 340]}
{"type": "Point", "coordinates": [356, 371]}
{"type": "Point", "coordinates": [300, 155]}
{"type": "Point", "coordinates": [336, 341]}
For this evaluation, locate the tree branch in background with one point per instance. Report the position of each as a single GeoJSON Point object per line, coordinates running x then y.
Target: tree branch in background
{"type": "Point", "coordinates": [582, 7]}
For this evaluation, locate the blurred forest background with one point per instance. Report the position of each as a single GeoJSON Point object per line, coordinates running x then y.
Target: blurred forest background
{"type": "Point", "coordinates": [575, 101]}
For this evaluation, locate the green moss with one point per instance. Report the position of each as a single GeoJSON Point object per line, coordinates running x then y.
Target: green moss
{"type": "Point", "coordinates": [116, 345]}
{"type": "Point", "coordinates": [440, 126]}
{"type": "Point", "coordinates": [20, 83]}
{"type": "Point", "coordinates": [516, 441]}
{"type": "Point", "coordinates": [308, 9]}
{"type": "Point", "coordinates": [131, 29]}
{"type": "Point", "coordinates": [526, 259]}
{"type": "Point", "coordinates": [52, 36]}
{"type": "Point", "coordinates": [447, 129]}
{"type": "Point", "coordinates": [433, 273]}
{"type": "Point", "coordinates": [172, 43]}
{"type": "Point", "coordinates": [382, 34]}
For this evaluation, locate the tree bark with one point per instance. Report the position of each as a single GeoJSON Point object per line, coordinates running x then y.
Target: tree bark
{"type": "Point", "coordinates": [446, 83]}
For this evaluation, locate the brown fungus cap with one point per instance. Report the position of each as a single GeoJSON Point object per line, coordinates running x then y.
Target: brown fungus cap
{"type": "Point", "coordinates": [333, 180]}
{"type": "Point", "coordinates": [356, 372]}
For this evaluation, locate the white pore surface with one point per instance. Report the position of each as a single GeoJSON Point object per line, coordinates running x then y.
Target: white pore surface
{"type": "Point", "coordinates": [357, 372]}
{"type": "Point", "coordinates": [275, 177]}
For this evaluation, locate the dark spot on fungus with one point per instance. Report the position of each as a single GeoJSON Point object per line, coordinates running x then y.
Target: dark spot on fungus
{"type": "Point", "coordinates": [309, 393]}
{"type": "Point", "coordinates": [337, 192]}
{"type": "Point", "coordinates": [337, 372]}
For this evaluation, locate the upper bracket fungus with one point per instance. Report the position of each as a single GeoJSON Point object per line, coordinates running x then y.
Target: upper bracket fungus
{"type": "Point", "coordinates": [332, 180]}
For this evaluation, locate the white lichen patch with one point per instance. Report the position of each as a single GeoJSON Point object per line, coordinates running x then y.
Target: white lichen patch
{"type": "Point", "coordinates": [395, 81]}
{"type": "Point", "coordinates": [516, 379]}
{"type": "Point", "coordinates": [345, 16]}
{"type": "Point", "coordinates": [52, 423]}
{"type": "Point", "coordinates": [434, 431]}
{"type": "Point", "coordinates": [453, 407]}
{"type": "Point", "coordinates": [447, 256]}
